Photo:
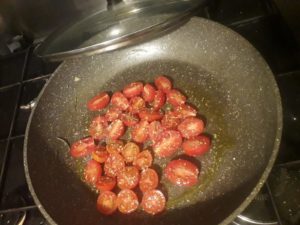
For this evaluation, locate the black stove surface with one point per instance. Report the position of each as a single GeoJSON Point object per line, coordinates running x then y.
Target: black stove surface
{"type": "Point", "coordinates": [22, 76]}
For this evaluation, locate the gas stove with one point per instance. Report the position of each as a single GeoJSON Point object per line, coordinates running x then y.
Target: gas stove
{"type": "Point", "coordinates": [23, 75]}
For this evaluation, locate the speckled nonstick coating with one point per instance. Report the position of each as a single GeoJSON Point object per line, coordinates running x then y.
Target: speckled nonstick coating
{"type": "Point", "coordinates": [220, 72]}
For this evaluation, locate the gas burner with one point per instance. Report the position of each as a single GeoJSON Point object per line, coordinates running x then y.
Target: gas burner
{"type": "Point", "coordinates": [259, 212]}
{"type": "Point", "coordinates": [16, 218]}
{"type": "Point", "coordinates": [13, 215]}
{"type": "Point", "coordinates": [244, 220]}
{"type": "Point", "coordinates": [285, 185]}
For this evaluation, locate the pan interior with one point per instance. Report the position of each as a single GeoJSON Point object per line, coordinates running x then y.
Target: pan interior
{"type": "Point", "coordinates": [213, 108]}
{"type": "Point", "coordinates": [234, 95]}
{"type": "Point", "coordinates": [195, 83]}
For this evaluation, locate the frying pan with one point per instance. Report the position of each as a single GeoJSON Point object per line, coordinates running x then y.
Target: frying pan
{"type": "Point", "coordinates": [222, 75]}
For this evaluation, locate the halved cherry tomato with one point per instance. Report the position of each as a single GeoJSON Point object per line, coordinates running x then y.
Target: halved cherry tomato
{"type": "Point", "coordinates": [191, 127]}
{"type": "Point", "coordinates": [135, 107]}
{"type": "Point", "coordinates": [107, 202]}
{"type": "Point", "coordinates": [127, 201]}
{"type": "Point", "coordinates": [112, 114]}
{"type": "Point", "coordinates": [133, 89]}
{"type": "Point", "coordinates": [120, 101]}
{"type": "Point", "coordinates": [175, 97]}
{"type": "Point", "coordinates": [168, 143]}
{"type": "Point", "coordinates": [115, 130]}
{"type": "Point", "coordinates": [148, 180]}
{"type": "Point", "coordinates": [106, 183]}
{"type": "Point", "coordinates": [159, 100]}
{"type": "Point", "coordinates": [130, 151]}
{"type": "Point", "coordinates": [150, 115]}
{"type": "Point", "coordinates": [83, 147]}
{"type": "Point", "coordinates": [155, 130]}
{"type": "Point", "coordinates": [100, 155]}
{"type": "Point", "coordinates": [114, 146]}
{"type": "Point", "coordinates": [143, 160]}
{"type": "Point", "coordinates": [97, 128]}
{"type": "Point", "coordinates": [129, 119]}
{"type": "Point", "coordinates": [98, 102]}
{"type": "Point", "coordinates": [196, 146]}
{"type": "Point", "coordinates": [128, 178]}
{"type": "Point", "coordinates": [139, 132]}
{"type": "Point", "coordinates": [186, 111]}
{"type": "Point", "coordinates": [182, 172]}
{"type": "Point", "coordinates": [136, 104]}
{"type": "Point", "coordinates": [148, 93]}
{"type": "Point", "coordinates": [92, 172]}
{"type": "Point", "coordinates": [170, 120]}
{"type": "Point", "coordinates": [153, 202]}
{"type": "Point", "coordinates": [114, 164]}
{"type": "Point", "coordinates": [163, 83]}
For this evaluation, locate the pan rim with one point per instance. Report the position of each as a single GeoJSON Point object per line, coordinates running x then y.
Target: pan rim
{"type": "Point", "coordinates": [261, 181]}
{"type": "Point", "coordinates": [25, 162]}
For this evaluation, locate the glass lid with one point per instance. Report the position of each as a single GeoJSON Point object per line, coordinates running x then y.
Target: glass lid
{"type": "Point", "coordinates": [123, 25]}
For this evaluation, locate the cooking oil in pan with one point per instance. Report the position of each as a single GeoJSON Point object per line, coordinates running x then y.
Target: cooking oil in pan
{"type": "Point", "coordinates": [210, 105]}
{"type": "Point", "coordinates": [209, 163]}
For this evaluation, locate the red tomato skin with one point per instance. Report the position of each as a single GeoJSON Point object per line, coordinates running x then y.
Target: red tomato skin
{"type": "Point", "coordinates": [153, 202]}
{"type": "Point", "coordinates": [82, 147]}
{"type": "Point", "coordinates": [159, 100]}
{"type": "Point", "coordinates": [136, 105]}
{"type": "Point", "coordinates": [150, 115]}
{"type": "Point", "coordinates": [191, 127]}
{"type": "Point", "coordinates": [107, 197]}
{"type": "Point", "coordinates": [114, 164]}
{"type": "Point", "coordinates": [148, 93]}
{"type": "Point", "coordinates": [98, 127]}
{"type": "Point", "coordinates": [92, 172]}
{"type": "Point", "coordinates": [175, 98]}
{"type": "Point", "coordinates": [186, 111]}
{"type": "Point", "coordinates": [196, 146]}
{"type": "Point", "coordinates": [139, 132]}
{"type": "Point", "coordinates": [168, 143]}
{"type": "Point", "coordinates": [163, 83]}
{"type": "Point", "coordinates": [112, 114]}
{"type": "Point", "coordinates": [155, 131]}
{"type": "Point", "coordinates": [148, 180]}
{"type": "Point", "coordinates": [98, 102]}
{"type": "Point", "coordinates": [133, 89]}
{"type": "Point", "coordinates": [127, 201]}
{"type": "Point", "coordinates": [143, 160]}
{"type": "Point", "coordinates": [115, 130]}
{"type": "Point", "coordinates": [129, 119]}
{"type": "Point", "coordinates": [100, 156]}
{"type": "Point", "coordinates": [182, 173]}
{"type": "Point", "coordinates": [128, 178]}
{"type": "Point", "coordinates": [130, 152]}
{"type": "Point", "coordinates": [106, 183]}
{"type": "Point", "coordinates": [170, 120]}
{"type": "Point", "coordinates": [120, 101]}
